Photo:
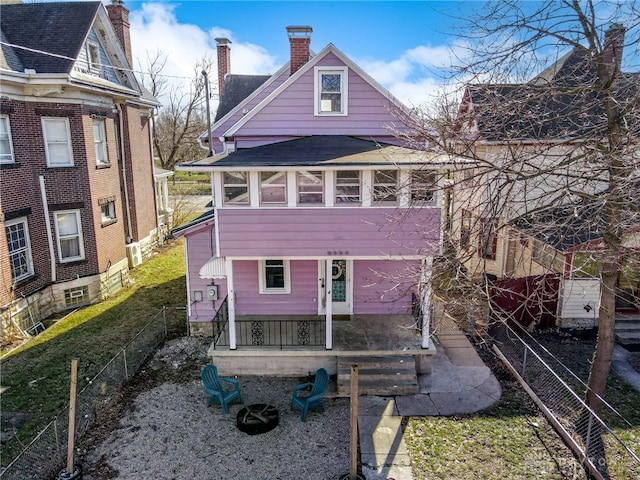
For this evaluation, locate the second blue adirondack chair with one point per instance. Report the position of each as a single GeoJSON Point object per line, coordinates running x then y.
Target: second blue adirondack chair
{"type": "Point", "coordinates": [314, 399]}
{"type": "Point", "coordinates": [214, 386]}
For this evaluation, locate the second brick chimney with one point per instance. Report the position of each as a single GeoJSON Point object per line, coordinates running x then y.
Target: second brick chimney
{"type": "Point", "coordinates": [613, 45]}
{"type": "Point", "coordinates": [119, 17]}
{"type": "Point", "coordinates": [299, 41]}
{"type": "Point", "coordinates": [224, 61]}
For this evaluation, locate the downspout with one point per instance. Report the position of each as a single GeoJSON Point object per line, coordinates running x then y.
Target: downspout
{"type": "Point", "coordinates": [124, 172]}
{"type": "Point", "coordinates": [47, 222]}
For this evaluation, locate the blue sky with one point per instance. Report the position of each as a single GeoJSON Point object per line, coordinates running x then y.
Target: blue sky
{"type": "Point", "coordinates": [402, 44]}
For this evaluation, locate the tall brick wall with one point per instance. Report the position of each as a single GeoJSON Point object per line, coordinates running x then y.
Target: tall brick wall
{"type": "Point", "coordinates": [140, 173]}
{"type": "Point", "coordinates": [67, 188]}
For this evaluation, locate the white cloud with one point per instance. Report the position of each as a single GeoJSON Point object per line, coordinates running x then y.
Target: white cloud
{"type": "Point", "coordinates": [155, 28]}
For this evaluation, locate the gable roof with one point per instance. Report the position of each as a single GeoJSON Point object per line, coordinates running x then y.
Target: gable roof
{"type": "Point", "coordinates": [562, 102]}
{"type": "Point", "coordinates": [236, 89]}
{"type": "Point", "coordinates": [330, 48]}
{"type": "Point", "coordinates": [30, 25]}
{"type": "Point", "coordinates": [566, 226]}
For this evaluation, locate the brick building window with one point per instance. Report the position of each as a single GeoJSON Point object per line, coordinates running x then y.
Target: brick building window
{"type": "Point", "coordinates": [107, 210]}
{"type": "Point", "coordinates": [57, 141]}
{"type": "Point", "coordinates": [19, 246]}
{"type": "Point", "coordinates": [69, 235]}
{"type": "Point", "coordinates": [100, 141]}
{"type": "Point", "coordinates": [6, 145]}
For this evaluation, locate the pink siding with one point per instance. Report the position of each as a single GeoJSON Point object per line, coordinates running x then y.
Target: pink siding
{"type": "Point", "coordinates": [301, 301]}
{"type": "Point", "coordinates": [220, 128]}
{"type": "Point", "coordinates": [384, 286]}
{"type": "Point", "coordinates": [321, 231]}
{"type": "Point", "coordinates": [200, 249]}
{"type": "Point", "coordinates": [291, 113]}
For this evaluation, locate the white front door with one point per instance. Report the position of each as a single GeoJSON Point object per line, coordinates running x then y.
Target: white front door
{"type": "Point", "coordinates": [340, 286]}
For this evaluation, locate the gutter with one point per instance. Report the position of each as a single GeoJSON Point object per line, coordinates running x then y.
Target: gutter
{"type": "Point", "coordinates": [47, 222]}
{"type": "Point", "coordinates": [124, 172]}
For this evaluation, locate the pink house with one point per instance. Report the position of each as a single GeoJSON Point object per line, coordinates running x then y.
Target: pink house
{"type": "Point", "coordinates": [319, 244]}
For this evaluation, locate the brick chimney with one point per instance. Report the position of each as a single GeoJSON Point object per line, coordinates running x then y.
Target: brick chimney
{"type": "Point", "coordinates": [224, 61]}
{"type": "Point", "coordinates": [613, 45]}
{"type": "Point", "coordinates": [299, 41]}
{"type": "Point", "coordinates": [119, 17]}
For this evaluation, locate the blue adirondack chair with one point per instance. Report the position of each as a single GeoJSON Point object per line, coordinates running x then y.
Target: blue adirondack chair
{"type": "Point", "coordinates": [214, 386]}
{"type": "Point", "coordinates": [314, 399]}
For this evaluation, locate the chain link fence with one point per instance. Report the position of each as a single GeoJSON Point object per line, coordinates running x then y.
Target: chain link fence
{"type": "Point", "coordinates": [559, 393]}
{"type": "Point", "coordinates": [44, 457]}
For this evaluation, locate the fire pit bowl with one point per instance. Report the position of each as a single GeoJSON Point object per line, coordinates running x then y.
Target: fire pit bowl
{"type": "Point", "coordinates": [257, 418]}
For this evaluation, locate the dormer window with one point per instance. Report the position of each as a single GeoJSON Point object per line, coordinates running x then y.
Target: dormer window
{"type": "Point", "coordinates": [330, 90]}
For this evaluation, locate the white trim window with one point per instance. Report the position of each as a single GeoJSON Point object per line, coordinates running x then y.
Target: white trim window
{"type": "Point", "coordinates": [274, 276]}
{"type": "Point", "coordinates": [385, 187]}
{"type": "Point", "coordinates": [347, 189]}
{"type": "Point", "coordinates": [57, 141]}
{"type": "Point", "coordinates": [93, 57]}
{"type": "Point", "coordinates": [330, 87]}
{"type": "Point", "coordinates": [107, 210]}
{"type": "Point", "coordinates": [100, 141]}
{"type": "Point", "coordinates": [423, 186]}
{"type": "Point", "coordinates": [6, 144]}
{"type": "Point", "coordinates": [310, 186]}
{"type": "Point", "coordinates": [273, 188]}
{"type": "Point", "coordinates": [235, 186]}
{"type": "Point", "coordinates": [19, 246]}
{"type": "Point", "coordinates": [69, 235]}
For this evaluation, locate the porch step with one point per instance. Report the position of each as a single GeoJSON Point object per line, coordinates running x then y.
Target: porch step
{"type": "Point", "coordinates": [378, 375]}
{"type": "Point", "coordinates": [628, 331]}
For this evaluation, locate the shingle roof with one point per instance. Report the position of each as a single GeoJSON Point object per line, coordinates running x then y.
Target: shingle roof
{"type": "Point", "coordinates": [306, 151]}
{"type": "Point", "coordinates": [561, 102]}
{"type": "Point", "coordinates": [567, 226]}
{"type": "Point", "coordinates": [236, 89]}
{"type": "Point", "coordinates": [31, 25]}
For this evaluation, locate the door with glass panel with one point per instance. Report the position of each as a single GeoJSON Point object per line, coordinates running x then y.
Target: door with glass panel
{"type": "Point", "coordinates": [340, 283]}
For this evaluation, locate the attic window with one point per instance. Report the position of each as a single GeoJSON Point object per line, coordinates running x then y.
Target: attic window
{"type": "Point", "coordinates": [93, 56]}
{"type": "Point", "coordinates": [330, 90]}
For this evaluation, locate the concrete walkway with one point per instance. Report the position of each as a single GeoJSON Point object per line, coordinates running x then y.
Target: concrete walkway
{"type": "Point", "coordinates": [460, 384]}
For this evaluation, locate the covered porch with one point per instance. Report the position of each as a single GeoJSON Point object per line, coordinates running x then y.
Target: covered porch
{"type": "Point", "coordinates": [388, 348]}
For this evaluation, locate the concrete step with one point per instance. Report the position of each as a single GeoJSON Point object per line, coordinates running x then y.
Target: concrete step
{"type": "Point", "coordinates": [392, 375]}
{"type": "Point", "coordinates": [627, 338]}
{"type": "Point", "coordinates": [626, 325]}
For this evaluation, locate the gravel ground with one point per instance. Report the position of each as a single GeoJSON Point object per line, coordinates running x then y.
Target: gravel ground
{"type": "Point", "coordinates": [163, 429]}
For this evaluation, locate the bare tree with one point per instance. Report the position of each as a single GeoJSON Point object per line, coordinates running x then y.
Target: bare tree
{"type": "Point", "coordinates": [546, 140]}
{"type": "Point", "coordinates": [182, 117]}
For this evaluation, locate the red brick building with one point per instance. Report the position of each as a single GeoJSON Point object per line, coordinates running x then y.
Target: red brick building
{"type": "Point", "coordinates": [77, 195]}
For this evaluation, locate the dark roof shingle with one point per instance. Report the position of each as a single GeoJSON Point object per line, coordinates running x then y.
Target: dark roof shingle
{"type": "Point", "coordinates": [59, 28]}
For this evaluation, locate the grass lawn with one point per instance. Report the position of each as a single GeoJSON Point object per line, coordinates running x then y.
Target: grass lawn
{"type": "Point", "coordinates": [510, 440]}
{"type": "Point", "coordinates": [37, 373]}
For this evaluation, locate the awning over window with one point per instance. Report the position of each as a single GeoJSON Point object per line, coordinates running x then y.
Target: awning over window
{"type": "Point", "coordinates": [214, 268]}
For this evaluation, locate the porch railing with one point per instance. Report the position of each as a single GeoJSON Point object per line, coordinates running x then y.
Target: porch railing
{"type": "Point", "coordinates": [221, 322]}
{"type": "Point", "coordinates": [274, 332]}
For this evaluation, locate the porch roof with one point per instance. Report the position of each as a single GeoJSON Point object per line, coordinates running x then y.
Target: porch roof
{"type": "Point", "coordinates": [325, 150]}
